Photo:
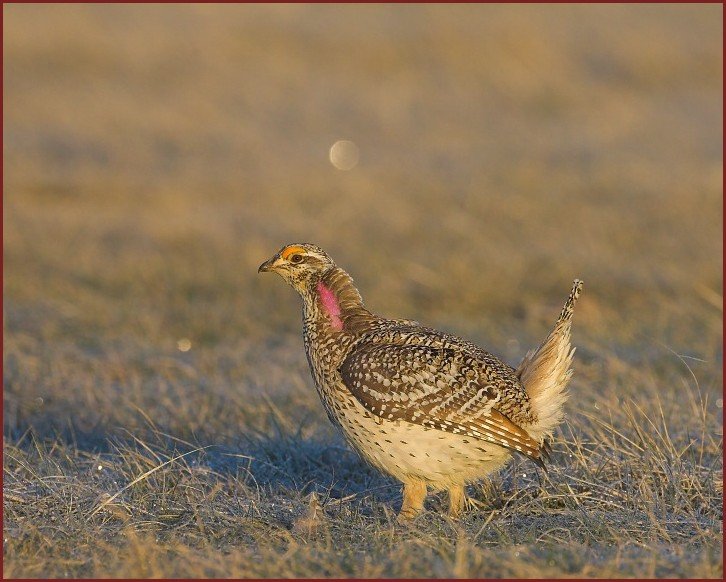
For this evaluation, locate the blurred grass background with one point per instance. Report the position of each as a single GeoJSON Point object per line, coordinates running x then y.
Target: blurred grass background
{"type": "Point", "coordinates": [155, 155]}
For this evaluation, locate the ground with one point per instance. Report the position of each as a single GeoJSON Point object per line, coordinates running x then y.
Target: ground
{"type": "Point", "coordinates": [159, 417]}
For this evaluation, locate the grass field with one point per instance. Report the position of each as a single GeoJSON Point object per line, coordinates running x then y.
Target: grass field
{"type": "Point", "coordinates": [159, 416]}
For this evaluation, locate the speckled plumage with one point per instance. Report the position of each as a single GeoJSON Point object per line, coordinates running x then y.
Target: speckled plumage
{"type": "Point", "coordinates": [426, 407]}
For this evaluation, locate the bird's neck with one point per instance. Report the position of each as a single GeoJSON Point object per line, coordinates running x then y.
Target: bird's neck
{"type": "Point", "coordinates": [334, 303]}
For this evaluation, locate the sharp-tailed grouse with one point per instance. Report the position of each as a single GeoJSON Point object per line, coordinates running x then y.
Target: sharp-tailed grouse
{"type": "Point", "coordinates": [426, 407]}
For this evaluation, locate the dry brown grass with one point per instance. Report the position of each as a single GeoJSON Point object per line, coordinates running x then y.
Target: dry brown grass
{"type": "Point", "coordinates": [154, 156]}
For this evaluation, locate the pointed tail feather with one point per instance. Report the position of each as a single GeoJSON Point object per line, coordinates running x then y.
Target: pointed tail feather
{"type": "Point", "coordinates": [569, 308]}
{"type": "Point", "coordinates": [545, 372]}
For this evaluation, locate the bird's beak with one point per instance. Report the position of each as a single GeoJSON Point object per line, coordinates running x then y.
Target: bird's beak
{"type": "Point", "coordinates": [268, 265]}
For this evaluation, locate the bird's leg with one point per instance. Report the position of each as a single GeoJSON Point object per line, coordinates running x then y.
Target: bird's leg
{"type": "Point", "coordinates": [457, 498]}
{"type": "Point", "coordinates": [414, 494]}
{"type": "Point", "coordinates": [458, 501]}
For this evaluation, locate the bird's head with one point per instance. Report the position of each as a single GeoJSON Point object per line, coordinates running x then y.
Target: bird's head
{"type": "Point", "coordinates": [302, 265]}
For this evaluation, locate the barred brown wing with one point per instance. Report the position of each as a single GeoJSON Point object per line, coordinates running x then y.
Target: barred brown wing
{"type": "Point", "coordinates": [436, 387]}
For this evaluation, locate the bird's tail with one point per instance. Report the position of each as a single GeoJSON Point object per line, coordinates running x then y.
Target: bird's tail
{"type": "Point", "coordinates": [545, 372]}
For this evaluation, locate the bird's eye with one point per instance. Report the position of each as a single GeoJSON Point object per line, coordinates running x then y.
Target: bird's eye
{"type": "Point", "coordinates": [296, 259]}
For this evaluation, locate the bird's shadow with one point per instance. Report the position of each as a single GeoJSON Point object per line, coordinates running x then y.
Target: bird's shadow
{"type": "Point", "coordinates": [295, 466]}
{"type": "Point", "coordinates": [274, 462]}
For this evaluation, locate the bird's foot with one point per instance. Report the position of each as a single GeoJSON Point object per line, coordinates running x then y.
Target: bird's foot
{"type": "Point", "coordinates": [472, 504]}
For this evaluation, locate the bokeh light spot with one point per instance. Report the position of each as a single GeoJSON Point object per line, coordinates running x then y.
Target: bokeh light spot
{"type": "Point", "coordinates": [344, 154]}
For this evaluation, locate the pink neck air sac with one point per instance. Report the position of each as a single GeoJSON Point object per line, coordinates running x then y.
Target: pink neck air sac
{"type": "Point", "coordinates": [331, 307]}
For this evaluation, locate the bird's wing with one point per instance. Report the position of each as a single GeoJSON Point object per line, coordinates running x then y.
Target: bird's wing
{"type": "Point", "coordinates": [436, 387]}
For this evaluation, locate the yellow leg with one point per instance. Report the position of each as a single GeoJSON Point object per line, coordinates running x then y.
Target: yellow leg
{"type": "Point", "coordinates": [457, 499]}
{"type": "Point", "coordinates": [414, 494]}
